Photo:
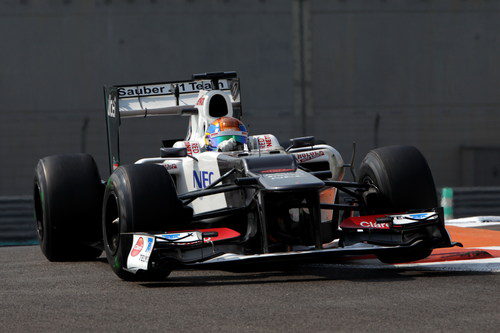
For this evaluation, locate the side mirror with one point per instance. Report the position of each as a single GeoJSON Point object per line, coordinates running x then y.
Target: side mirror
{"type": "Point", "coordinates": [306, 141]}
{"type": "Point", "coordinates": [169, 143]}
{"type": "Point", "coordinates": [173, 152]}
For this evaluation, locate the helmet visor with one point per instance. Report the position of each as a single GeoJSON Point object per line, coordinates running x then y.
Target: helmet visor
{"type": "Point", "coordinates": [215, 141]}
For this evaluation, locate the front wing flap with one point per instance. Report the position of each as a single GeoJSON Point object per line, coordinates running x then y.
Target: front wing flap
{"type": "Point", "coordinates": [425, 226]}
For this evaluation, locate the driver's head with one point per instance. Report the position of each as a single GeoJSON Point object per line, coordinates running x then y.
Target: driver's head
{"type": "Point", "coordinates": [224, 129]}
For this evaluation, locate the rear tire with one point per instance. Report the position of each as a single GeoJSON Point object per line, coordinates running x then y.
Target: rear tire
{"type": "Point", "coordinates": [138, 198]}
{"type": "Point", "coordinates": [401, 180]}
{"type": "Point", "coordinates": [68, 198]}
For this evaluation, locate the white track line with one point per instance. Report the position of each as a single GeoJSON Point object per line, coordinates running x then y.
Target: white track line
{"type": "Point", "coordinates": [472, 265]}
{"type": "Point", "coordinates": [486, 247]}
{"type": "Point", "coordinates": [474, 221]}
{"type": "Point", "coordinates": [472, 224]}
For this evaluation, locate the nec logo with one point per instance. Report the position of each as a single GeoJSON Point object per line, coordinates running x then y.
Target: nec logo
{"type": "Point", "coordinates": [201, 179]}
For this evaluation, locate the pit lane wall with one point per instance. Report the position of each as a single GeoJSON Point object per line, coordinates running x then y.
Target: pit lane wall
{"type": "Point", "coordinates": [17, 225]}
{"type": "Point", "coordinates": [376, 72]}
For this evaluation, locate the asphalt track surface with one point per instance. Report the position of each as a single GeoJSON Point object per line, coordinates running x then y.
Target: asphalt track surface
{"type": "Point", "coordinates": [38, 295]}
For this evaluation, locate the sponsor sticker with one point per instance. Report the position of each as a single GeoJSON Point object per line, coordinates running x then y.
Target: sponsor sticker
{"type": "Point", "coordinates": [201, 179]}
{"type": "Point", "coordinates": [201, 85]}
{"type": "Point", "coordinates": [149, 90]}
{"type": "Point", "coordinates": [170, 166]}
{"type": "Point", "coordinates": [137, 247]}
{"type": "Point", "coordinates": [368, 224]}
{"type": "Point", "coordinates": [150, 244]}
{"type": "Point", "coordinates": [420, 216]}
{"type": "Point", "coordinates": [307, 156]}
{"type": "Point", "coordinates": [167, 88]}
{"type": "Point", "coordinates": [192, 147]}
{"type": "Point", "coordinates": [265, 142]}
{"type": "Point", "coordinates": [140, 253]}
{"type": "Point", "coordinates": [410, 218]}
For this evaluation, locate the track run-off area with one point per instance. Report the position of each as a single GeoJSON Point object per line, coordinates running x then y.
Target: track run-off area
{"type": "Point", "coordinates": [455, 289]}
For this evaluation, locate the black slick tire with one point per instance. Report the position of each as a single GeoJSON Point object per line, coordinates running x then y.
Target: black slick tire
{"type": "Point", "coordinates": [401, 180]}
{"type": "Point", "coordinates": [138, 198]}
{"type": "Point", "coordinates": [68, 199]}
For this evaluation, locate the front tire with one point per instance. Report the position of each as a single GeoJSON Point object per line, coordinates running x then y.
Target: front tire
{"type": "Point", "coordinates": [138, 198]}
{"type": "Point", "coordinates": [400, 180]}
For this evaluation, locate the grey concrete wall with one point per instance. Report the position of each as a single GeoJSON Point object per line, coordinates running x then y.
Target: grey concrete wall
{"type": "Point", "coordinates": [57, 55]}
{"type": "Point", "coordinates": [428, 70]}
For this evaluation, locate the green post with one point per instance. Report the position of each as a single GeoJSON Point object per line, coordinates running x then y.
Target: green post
{"type": "Point", "coordinates": [447, 202]}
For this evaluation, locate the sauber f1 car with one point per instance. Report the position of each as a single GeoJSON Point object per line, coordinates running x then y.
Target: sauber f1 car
{"type": "Point", "coordinates": [195, 208]}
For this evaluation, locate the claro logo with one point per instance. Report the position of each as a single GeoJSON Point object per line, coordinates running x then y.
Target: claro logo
{"type": "Point", "coordinates": [137, 247]}
{"type": "Point", "coordinates": [374, 225]}
{"type": "Point", "coordinates": [201, 179]}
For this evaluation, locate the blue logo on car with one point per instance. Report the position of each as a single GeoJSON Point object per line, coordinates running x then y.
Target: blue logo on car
{"type": "Point", "coordinates": [170, 236]}
{"type": "Point", "coordinates": [150, 244]}
{"type": "Point", "coordinates": [419, 216]}
{"type": "Point", "coordinates": [201, 179]}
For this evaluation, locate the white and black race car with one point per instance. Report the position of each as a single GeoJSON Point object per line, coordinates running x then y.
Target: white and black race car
{"type": "Point", "coordinates": [195, 208]}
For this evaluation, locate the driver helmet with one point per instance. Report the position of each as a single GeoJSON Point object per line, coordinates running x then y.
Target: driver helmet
{"type": "Point", "coordinates": [223, 129]}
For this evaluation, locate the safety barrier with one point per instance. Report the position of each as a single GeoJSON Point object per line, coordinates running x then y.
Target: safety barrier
{"type": "Point", "coordinates": [461, 202]}
{"type": "Point", "coordinates": [17, 224]}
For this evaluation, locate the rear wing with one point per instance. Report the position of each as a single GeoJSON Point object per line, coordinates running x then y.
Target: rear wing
{"type": "Point", "coordinates": [158, 99]}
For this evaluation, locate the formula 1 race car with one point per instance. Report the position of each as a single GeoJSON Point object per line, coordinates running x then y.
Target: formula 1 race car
{"type": "Point", "coordinates": [195, 208]}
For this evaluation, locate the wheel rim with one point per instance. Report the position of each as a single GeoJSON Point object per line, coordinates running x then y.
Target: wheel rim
{"type": "Point", "coordinates": [368, 180]}
{"type": "Point", "coordinates": [112, 223]}
{"type": "Point", "coordinates": [375, 201]}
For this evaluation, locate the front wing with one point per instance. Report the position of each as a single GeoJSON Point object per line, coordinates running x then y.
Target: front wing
{"type": "Point", "coordinates": [217, 247]}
